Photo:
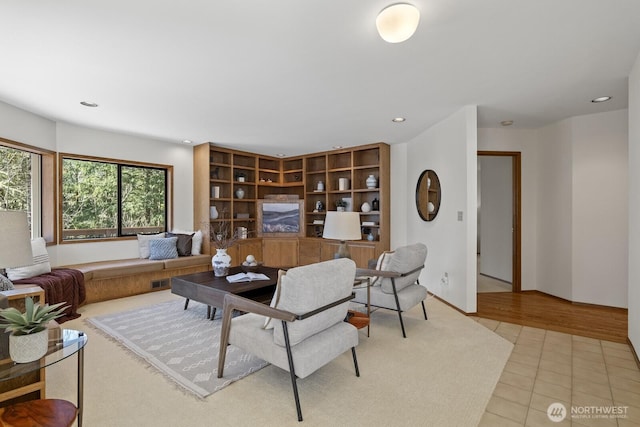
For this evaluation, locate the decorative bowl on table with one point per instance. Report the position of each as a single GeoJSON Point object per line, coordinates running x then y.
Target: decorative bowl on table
{"type": "Point", "coordinates": [250, 268]}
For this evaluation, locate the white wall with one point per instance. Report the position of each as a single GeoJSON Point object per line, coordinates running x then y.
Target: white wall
{"type": "Point", "coordinates": [21, 126]}
{"type": "Point", "coordinates": [524, 141]}
{"type": "Point", "coordinates": [29, 128]}
{"type": "Point", "coordinates": [554, 210]}
{"type": "Point", "coordinates": [401, 197]}
{"type": "Point", "coordinates": [449, 148]}
{"type": "Point", "coordinates": [496, 217]}
{"type": "Point", "coordinates": [634, 207]}
{"type": "Point", "coordinates": [600, 208]}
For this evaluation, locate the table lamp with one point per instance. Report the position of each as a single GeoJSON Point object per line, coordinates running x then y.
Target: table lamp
{"type": "Point", "coordinates": [342, 226]}
{"type": "Point", "coordinates": [15, 250]}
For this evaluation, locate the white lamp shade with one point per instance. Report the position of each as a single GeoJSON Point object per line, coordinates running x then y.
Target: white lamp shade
{"type": "Point", "coordinates": [398, 22]}
{"type": "Point", "coordinates": [15, 245]}
{"type": "Point", "coordinates": [342, 226]}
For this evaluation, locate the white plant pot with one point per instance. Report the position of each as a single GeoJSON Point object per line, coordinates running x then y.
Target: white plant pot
{"type": "Point", "coordinates": [27, 348]}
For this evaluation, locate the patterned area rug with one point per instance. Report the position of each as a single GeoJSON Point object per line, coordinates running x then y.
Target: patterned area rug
{"type": "Point", "coordinates": [182, 344]}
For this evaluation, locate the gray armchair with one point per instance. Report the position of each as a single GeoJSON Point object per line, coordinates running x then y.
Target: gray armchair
{"type": "Point", "coordinates": [307, 314]}
{"type": "Point", "coordinates": [395, 284]}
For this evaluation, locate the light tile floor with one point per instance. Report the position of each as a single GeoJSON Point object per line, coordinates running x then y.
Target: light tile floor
{"type": "Point", "coordinates": [546, 367]}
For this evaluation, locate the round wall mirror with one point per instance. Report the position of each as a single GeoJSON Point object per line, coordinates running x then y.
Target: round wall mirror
{"type": "Point", "coordinates": [428, 195]}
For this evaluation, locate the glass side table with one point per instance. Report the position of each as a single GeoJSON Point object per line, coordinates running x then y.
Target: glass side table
{"type": "Point", "coordinates": [62, 345]}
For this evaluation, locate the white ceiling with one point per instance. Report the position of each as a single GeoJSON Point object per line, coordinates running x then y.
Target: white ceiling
{"type": "Point", "coordinates": [296, 76]}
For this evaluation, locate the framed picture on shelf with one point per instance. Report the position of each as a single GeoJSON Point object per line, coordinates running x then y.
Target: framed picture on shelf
{"type": "Point", "coordinates": [280, 218]}
{"type": "Point", "coordinates": [349, 206]}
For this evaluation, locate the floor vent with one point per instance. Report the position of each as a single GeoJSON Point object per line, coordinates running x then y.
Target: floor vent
{"type": "Point", "coordinates": [163, 283]}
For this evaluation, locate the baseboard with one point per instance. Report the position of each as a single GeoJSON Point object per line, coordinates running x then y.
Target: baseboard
{"type": "Point", "coordinates": [452, 306]}
{"type": "Point", "coordinates": [633, 351]}
{"type": "Point", "coordinates": [586, 304]}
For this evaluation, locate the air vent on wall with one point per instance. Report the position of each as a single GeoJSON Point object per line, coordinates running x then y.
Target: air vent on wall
{"type": "Point", "coordinates": [162, 283]}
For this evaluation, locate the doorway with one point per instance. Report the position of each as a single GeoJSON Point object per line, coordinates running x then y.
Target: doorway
{"type": "Point", "coordinates": [499, 221]}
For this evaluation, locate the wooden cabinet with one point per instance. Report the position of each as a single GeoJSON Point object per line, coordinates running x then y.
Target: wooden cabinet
{"type": "Point", "coordinates": [319, 179]}
{"type": "Point", "coordinates": [280, 252]}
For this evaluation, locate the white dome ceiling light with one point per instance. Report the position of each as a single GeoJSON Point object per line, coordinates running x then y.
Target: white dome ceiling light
{"type": "Point", "coordinates": [398, 22]}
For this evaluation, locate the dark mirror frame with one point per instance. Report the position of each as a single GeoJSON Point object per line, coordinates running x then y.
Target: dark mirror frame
{"type": "Point", "coordinates": [428, 190]}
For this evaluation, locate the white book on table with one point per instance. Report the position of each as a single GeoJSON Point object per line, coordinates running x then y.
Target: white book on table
{"type": "Point", "coordinates": [246, 277]}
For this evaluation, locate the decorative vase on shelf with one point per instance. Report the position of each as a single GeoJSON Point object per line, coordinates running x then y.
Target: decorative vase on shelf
{"type": "Point", "coordinates": [213, 212]}
{"type": "Point", "coordinates": [366, 207]}
{"type": "Point", "coordinates": [375, 205]}
{"type": "Point", "coordinates": [371, 237]}
{"type": "Point", "coordinates": [221, 262]}
{"type": "Point", "coordinates": [372, 182]}
{"type": "Point", "coordinates": [240, 193]}
{"type": "Point", "coordinates": [320, 186]}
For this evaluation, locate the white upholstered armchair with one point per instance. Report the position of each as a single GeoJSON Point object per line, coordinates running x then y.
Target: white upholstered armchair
{"type": "Point", "coordinates": [395, 284]}
{"type": "Point", "coordinates": [307, 316]}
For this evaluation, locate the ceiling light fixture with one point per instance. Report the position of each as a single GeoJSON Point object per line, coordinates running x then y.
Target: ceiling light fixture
{"type": "Point", "coordinates": [187, 141]}
{"type": "Point", "coordinates": [280, 155]}
{"type": "Point", "coordinates": [601, 99]}
{"type": "Point", "coordinates": [337, 147]}
{"type": "Point", "coordinates": [398, 22]}
{"type": "Point", "coordinates": [398, 120]}
{"type": "Point", "coordinates": [89, 104]}
{"type": "Point", "coordinates": [506, 122]}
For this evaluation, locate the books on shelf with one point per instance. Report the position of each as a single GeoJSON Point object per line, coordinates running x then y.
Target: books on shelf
{"type": "Point", "coordinates": [246, 277]}
{"type": "Point", "coordinates": [368, 223]}
{"type": "Point", "coordinates": [318, 222]}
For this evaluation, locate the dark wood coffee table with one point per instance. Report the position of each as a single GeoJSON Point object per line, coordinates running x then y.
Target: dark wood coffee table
{"type": "Point", "coordinates": [206, 288]}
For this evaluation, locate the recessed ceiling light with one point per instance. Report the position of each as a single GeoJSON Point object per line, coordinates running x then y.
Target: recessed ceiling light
{"type": "Point", "coordinates": [337, 147]}
{"type": "Point", "coordinates": [187, 141]}
{"type": "Point", "coordinates": [601, 99]}
{"type": "Point", "coordinates": [89, 104]}
{"type": "Point", "coordinates": [398, 120]}
{"type": "Point", "coordinates": [280, 155]}
{"type": "Point", "coordinates": [506, 122]}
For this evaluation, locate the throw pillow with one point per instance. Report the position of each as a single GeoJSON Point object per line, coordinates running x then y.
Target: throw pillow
{"type": "Point", "coordinates": [185, 242]}
{"type": "Point", "coordinates": [143, 243]}
{"type": "Point", "coordinates": [383, 264]}
{"type": "Point", "coordinates": [40, 264]}
{"type": "Point", "coordinates": [196, 246]}
{"type": "Point", "coordinates": [274, 301]}
{"type": "Point", "coordinates": [163, 248]}
{"type": "Point", "coordinates": [5, 284]}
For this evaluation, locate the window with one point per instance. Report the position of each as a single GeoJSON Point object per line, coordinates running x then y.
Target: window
{"type": "Point", "coordinates": [108, 199]}
{"type": "Point", "coordinates": [24, 172]}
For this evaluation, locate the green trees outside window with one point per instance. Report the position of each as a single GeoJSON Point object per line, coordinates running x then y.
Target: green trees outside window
{"type": "Point", "coordinates": [16, 180]}
{"type": "Point", "coordinates": [105, 200]}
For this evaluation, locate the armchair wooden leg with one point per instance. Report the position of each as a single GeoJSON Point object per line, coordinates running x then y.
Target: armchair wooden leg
{"type": "Point", "coordinates": [292, 370]}
{"type": "Point", "coordinates": [225, 329]}
{"type": "Point", "coordinates": [355, 361]}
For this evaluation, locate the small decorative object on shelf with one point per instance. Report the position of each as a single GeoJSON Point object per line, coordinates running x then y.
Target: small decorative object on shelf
{"type": "Point", "coordinates": [240, 177]}
{"type": "Point", "coordinates": [366, 207]}
{"type": "Point", "coordinates": [370, 237]}
{"type": "Point", "coordinates": [319, 206]}
{"type": "Point", "coordinates": [341, 205]}
{"type": "Point", "coordinates": [240, 193]}
{"type": "Point", "coordinates": [372, 182]}
{"type": "Point", "coordinates": [343, 184]}
{"type": "Point", "coordinates": [215, 192]}
{"type": "Point", "coordinates": [29, 337]}
{"type": "Point", "coordinates": [213, 212]}
{"type": "Point", "coordinates": [320, 186]}
{"type": "Point", "coordinates": [375, 205]}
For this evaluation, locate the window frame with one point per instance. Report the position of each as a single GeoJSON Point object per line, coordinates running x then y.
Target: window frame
{"type": "Point", "coordinates": [119, 163]}
{"type": "Point", "coordinates": [44, 205]}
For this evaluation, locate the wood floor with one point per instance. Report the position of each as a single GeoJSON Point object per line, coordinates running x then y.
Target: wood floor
{"type": "Point", "coordinates": [539, 310]}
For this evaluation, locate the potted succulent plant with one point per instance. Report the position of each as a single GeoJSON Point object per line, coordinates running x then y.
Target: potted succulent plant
{"type": "Point", "coordinates": [341, 204]}
{"type": "Point", "coordinates": [29, 337]}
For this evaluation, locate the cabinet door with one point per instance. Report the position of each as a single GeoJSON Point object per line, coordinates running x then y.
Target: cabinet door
{"type": "Point", "coordinates": [280, 252]}
{"type": "Point", "coordinates": [361, 253]}
{"type": "Point", "coordinates": [248, 247]}
{"type": "Point", "coordinates": [309, 251]}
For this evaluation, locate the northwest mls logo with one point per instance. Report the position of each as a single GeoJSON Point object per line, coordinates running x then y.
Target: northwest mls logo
{"type": "Point", "coordinates": [556, 412]}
